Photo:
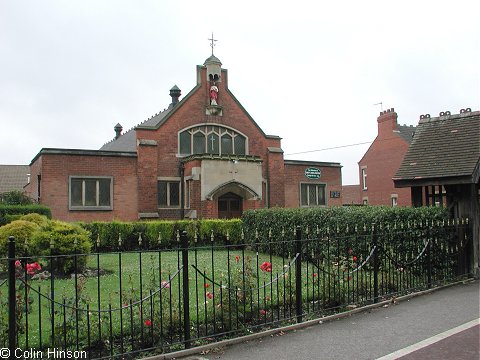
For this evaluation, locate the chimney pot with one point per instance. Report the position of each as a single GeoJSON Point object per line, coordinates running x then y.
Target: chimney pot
{"type": "Point", "coordinates": [175, 93]}
{"type": "Point", "coordinates": [118, 130]}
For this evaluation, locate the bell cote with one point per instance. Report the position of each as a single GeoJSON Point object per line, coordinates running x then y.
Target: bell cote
{"type": "Point", "coordinates": [214, 69]}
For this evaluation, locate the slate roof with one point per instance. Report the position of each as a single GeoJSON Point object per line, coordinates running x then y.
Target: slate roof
{"type": "Point", "coordinates": [13, 177]}
{"type": "Point", "coordinates": [128, 141]}
{"type": "Point", "coordinates": [443, 147]}
{"type": "Point", "coordinates": [406, 132]}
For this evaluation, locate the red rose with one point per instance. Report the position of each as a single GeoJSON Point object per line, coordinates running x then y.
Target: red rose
{"type": "Point", "coordinates": [354, 258]}
{"type": "Point", "coordinates": [206, 285]}
{"type": "Point", "coordinates": [263, 312]}
{"type": "Point", "coordinates": [266, 266]}
{"type": "Point", "coordinates": [237, 258]}
{"type": "Point", "coordinates": [209, 295]}
{"type": "Point", "coordinates": [148, 323]}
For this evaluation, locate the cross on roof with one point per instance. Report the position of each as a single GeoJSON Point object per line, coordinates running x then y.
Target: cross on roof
{"type": "Point", "coordinates": [212, 43]}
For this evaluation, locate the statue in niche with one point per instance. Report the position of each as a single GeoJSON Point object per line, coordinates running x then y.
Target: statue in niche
{"type": "Point", "coordinates": [213, 94]}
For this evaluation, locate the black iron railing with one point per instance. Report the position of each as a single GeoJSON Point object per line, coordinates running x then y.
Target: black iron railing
{"type": "Point", "coordinates": [139, 303]}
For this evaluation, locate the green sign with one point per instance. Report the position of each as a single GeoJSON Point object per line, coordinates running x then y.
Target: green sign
{"type": "Point", "coordinates": [313, 173]}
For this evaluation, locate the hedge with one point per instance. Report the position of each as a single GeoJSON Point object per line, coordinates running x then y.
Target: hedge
{"type": "Point", "coordinates": [9, 213]}
{"type": "Point", "coordinates": [278, 220]}
{"type": "Point", "coordinates": [160, 234]}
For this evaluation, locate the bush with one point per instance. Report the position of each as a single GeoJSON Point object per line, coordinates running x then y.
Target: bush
{"type": "Point", "coordinates": [22, 230]}
{"type": "Point", "coordinates": [108, 233]}
{"type": "Point", "coordinates": [8, 213]}
{"type": "Point", "coordinates": [15, 198]}
{"type": "Point", "coordinates": [40, 220]}
{"type": "Point", "coordinates": [341, 220]}
{"type": "Point", "coordinates": [65, 239]}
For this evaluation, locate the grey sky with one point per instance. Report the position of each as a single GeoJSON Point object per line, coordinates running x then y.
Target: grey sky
{"type": "Point", "coordinates": [308, 71]}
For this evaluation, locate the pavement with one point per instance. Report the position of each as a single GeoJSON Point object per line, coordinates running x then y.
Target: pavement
{"type": "Point", "coordinates": [442, 324]}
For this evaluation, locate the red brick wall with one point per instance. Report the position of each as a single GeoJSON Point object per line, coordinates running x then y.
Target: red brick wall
{"type": "Point", "coordinates": [295, 174]}
{"type": "Point", "coordinates": [56, 169]}
{"type": "Point", "coordinates": [382, 160]}
{"type": "Point", "coordinates": [351, 195]}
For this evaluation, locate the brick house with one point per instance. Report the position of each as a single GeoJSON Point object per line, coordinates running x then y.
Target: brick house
{"type": "Point", "coordinates": [202, 157]}
{"type": "Point", "coordinates": [442, 168]}
{"type": "Point", "coordinates": [382, 159]}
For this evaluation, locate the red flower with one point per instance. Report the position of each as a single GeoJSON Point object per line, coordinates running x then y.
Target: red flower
{"type": "Point", "coordinates": [354, 258]}
{"type": "Point", "coordinates": [206, 285]}
{"type": "Point", "coordinates": [33, 267]}
{"type": "Point", "coordinates": [165, 284]}
{"type": "Point", "coordinates": [314, 275]}
{"type": "Point", "coordinates": [148, 323]}
{"type": "Point", "coordinates": [237, 258]}
{"type": "Point", "coordinates": [18, 264]}
{"type": "Point", "coordinates": [209, 295]}
{"type": "Point", "coordinates": [266, 266]}
{"type": "Point", "coordinates": [263, 312]}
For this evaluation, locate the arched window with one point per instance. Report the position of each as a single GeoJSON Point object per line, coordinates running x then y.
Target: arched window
{"type": "Point", "coordinates": [211, 139]}
{"type": "Point", "coordinates": [198, 143]}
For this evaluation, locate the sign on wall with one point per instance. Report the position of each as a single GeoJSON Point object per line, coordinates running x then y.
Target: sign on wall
{"type": "Point", "coordinates": [313, 173]}
{"type": "Point", "coordinates": [335, 194]}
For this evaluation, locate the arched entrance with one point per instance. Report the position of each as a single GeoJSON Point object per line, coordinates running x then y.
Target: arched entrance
{"type": "Point", "coordinates": [229, 206]}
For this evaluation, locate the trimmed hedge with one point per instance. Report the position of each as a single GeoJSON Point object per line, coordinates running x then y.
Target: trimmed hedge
{"type": "Point", "coordinates": [9, 213]}
{"type": "Point", "coordinates": [160, 234]}
{"type": "Point", "coordinates": [275, 220]}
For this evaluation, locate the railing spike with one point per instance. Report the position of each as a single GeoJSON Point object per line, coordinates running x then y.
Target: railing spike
{"type": "Point", "coordinates": [159, 238]}
{"type": "Point", "coordinates": [119, 239]}
{"type": "Point", "coordinates": [140, 239]}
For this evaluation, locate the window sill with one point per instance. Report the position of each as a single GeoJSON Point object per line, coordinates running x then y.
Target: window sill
{"type": "Point", "coordinates": [90, 208]}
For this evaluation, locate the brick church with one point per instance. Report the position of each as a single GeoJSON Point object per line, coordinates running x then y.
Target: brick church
{"type": "Point", "coordinates": [202, 157]}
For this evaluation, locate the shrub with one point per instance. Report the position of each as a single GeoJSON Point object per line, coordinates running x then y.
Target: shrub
{"type": "Point", "coordinates": [40, 220]}
{"type": "Point", "coordinates": [8, 212]}
{"type": "Point", "coordinates": [151, 231]}
{"type": "Point", "coordinates": [59, 238]}
{"type": "Point", "coordinates": [22, 230]}
{"type": "Point", "coordinates": [15, 197]}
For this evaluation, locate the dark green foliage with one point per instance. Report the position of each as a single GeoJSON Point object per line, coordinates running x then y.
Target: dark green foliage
{"type": "Point", "coordinates": [10, 213]}
{"type": "Point", "coordinates": [15, 197]}
{"type": "Point", "coordinates": [281, 223]}
{"type": "Point", "coordinates": [160, 234]}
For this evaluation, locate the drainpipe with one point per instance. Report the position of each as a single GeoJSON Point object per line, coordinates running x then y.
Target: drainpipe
{"type": "Point", "coordinates": [182, 190]}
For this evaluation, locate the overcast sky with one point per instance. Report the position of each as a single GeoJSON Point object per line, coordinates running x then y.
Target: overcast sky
{"type": "Point", "coordinates": [308, 71]}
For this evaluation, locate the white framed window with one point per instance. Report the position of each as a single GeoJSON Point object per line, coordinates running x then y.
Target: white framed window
{"type": "Point", "coordinates": [312, 194]}
{"type": "Point", "coordinates": [394, 200]}
{"type": "Point", "coordinates": [168, 193]}
{"type": "Point", "coordinates": [364, 178]}
{"type": "Point", "coordinates": [90, 193]}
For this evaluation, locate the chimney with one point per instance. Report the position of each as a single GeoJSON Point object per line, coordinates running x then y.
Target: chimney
{"type": "Point", "coordinates": [118, 131]}
{"type": "Point", "coordinates": [175, 94]}
{"type": "Point", "coordinates": [387, 122]}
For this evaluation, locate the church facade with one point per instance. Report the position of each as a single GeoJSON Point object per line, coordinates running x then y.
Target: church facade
{"type": "Point", "coordinates": [202, 157]}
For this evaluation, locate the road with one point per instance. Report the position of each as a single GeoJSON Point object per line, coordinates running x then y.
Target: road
{"type": "Point", "coordinates": [424, 327]}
